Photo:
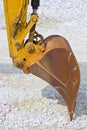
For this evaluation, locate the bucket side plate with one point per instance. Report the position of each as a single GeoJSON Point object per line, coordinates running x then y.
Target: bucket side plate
{"type": "Point", "coordinates": [58, 66]}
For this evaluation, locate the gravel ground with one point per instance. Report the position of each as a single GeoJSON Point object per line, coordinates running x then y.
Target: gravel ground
{"type": "Point", "coordinates": [29, 103]}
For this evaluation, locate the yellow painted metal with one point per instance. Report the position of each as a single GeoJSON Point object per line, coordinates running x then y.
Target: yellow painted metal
{"type": "Point", "coordinates": [11, 8]}
{"type": "Point", "coordinates": [17, 30]}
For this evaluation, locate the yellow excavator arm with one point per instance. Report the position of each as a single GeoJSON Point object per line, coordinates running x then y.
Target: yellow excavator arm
{"type": "Point", "coordinates": [18, 28]}
{"type": "Point", "coordinates": [50, 59]}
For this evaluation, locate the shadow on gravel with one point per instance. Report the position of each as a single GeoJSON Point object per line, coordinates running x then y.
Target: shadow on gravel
{"type": "Point", "coordinates": [81, 106]}
{"type": "Point", "coordinates": [50, 93]}
{"type": "Point", "coordinates": [6, 68]}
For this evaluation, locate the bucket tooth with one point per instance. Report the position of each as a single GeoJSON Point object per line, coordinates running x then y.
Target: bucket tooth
{"type": "Point", "coordinates": [58, 66]}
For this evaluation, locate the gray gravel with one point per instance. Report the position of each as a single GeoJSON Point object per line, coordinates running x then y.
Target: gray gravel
{"type": "Point", "coordinates": [29, 103]}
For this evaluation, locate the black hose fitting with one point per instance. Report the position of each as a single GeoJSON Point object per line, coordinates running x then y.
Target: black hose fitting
{"type": "Point", "coordinates": [35, 4]}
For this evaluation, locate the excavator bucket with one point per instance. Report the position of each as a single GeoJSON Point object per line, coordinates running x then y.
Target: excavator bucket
{"type": "Point", "coordinates": [51, 59]}
{"type": "Point", "coordinates": [58, 66]}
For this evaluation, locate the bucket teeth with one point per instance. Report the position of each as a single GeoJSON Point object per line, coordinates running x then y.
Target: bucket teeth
{"type": "Point", "coordinates": [58, 66]}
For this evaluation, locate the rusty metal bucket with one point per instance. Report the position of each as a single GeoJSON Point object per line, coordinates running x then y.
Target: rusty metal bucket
{"type": "Point", "coordinates": [58, 66]}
